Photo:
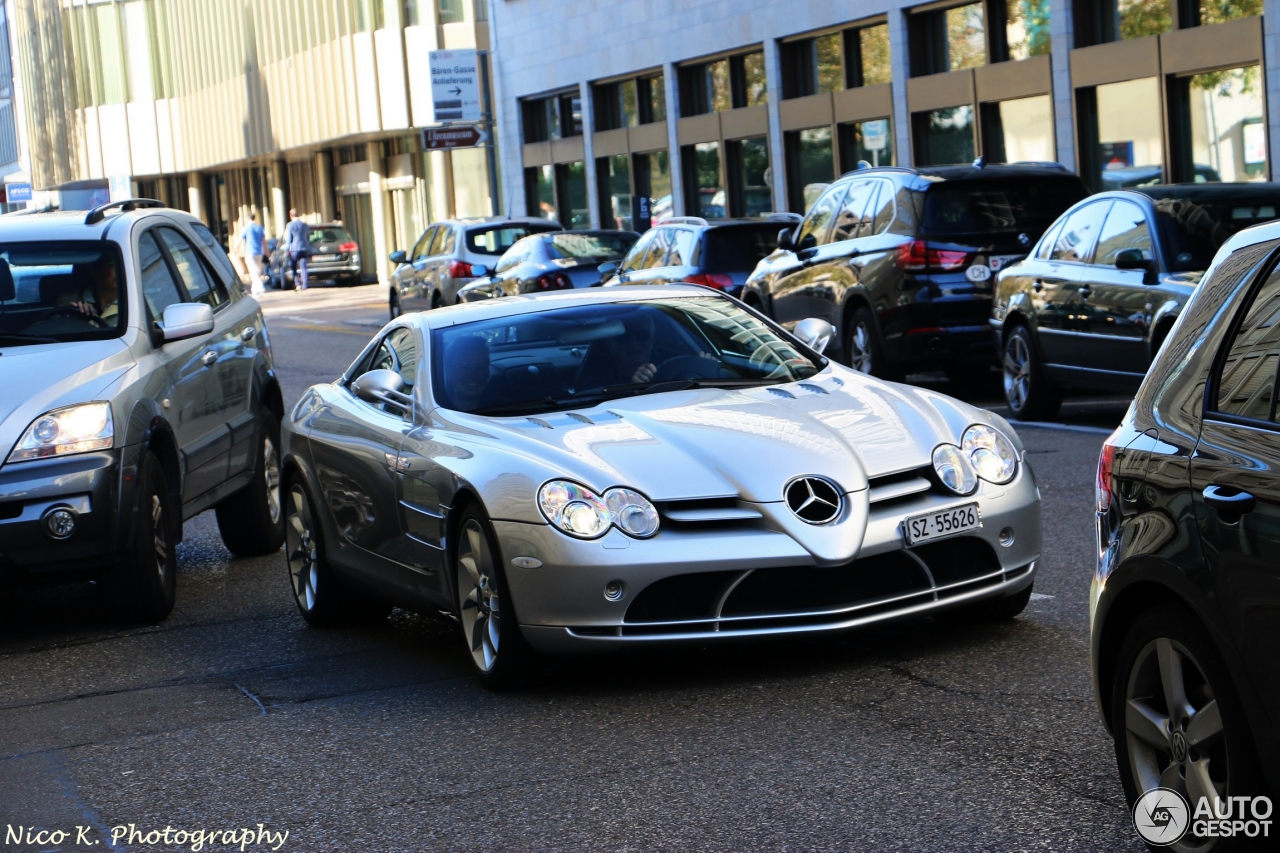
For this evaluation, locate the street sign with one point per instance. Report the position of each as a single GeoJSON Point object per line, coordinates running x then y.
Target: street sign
{"type": "Point", "coordinates": [875, 134]}
{"type": "Point", "coordinates": [455, 86]}
{"type": "Point", "coordinates": [445, 138]}
{"type": "Point", "coordinates": [18, 192]}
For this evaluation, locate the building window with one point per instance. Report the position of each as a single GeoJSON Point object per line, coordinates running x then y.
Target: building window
{"type": "Point", "coordinates": [571, 195]}
{"type": "Point", "coordinates": [651, 94]}
{"type": "Point", "coordinates": [1195, 13]}
{"type": "Point", "coordinates": [944, 136]}
{"type": "Point", "coordinates": [947, 39]}
{"type": "Point", "coordinates": [1102, 21]}
{"type": "Point", "coordinates": [873, 55]}
{"type": "Point", "coordinates": [1018, 130]}
{"type": "Point", "coordinates": [1026, 29]}
{"type": "Point", "coordinates": [749, 89]}
{"type": "Point", "coordinates": [627, 103]}
{"type": "Point", "coordinates": [1121, 134]}
{"type": "Point", "coordinates": [451, 11]}
{"type": "Point", "coordinates": [652, 173]}
{"type": "Point", "coordinates": [369, 15]}
{"type": "Point", "coordinates": [835, 61]}
{"type": "Point", "coordinates": [614, 177]}
{"type": "Point", "coordinates": [703, 180]}
{"type": "Point", "coordinates": [725, 84]}
{"type": "Point", "coordinates": [869, 142]}
{"type": "Point", "coordinates": [747, 165]}
{"type": "Point", "coordinates": [1217, 126]}
{"type": "Point", "coordinates": [552, 117]}
{"type": "Point", "coordinates": [810, 166]}
{"type": "Point", "coordinates": [540, 192]}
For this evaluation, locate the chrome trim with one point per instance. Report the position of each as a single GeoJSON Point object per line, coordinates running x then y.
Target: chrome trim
{"type": "Point", "coordinates": [713, 514]}
{"type": "Point", "coordinates": [898, 490]}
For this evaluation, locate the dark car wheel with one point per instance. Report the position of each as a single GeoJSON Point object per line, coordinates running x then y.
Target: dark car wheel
{"type": "Point", "coordinates": [143, 584]}
{"type": "Point", "coordinates": [1176, 720]}
{"type": "Point", "coordinates": [499, 653]}
{"type": "Point", "coordinates": [1027, 387]}
{"type": "Point", "coordinates": [251, 521]}
{"type": "Point", "coordinates": [862, 349]}
{"type": "Point", "coordinates": [395, 308]}
{"type": "Point", "coordinates": [436, 300]}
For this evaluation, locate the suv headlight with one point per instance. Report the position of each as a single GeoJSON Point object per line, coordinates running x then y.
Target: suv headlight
{"type": "Point", "coordinates": [993, 456]}
{"type": "Point", "coordinates": [62, 432]}
{"type": "Point", "coordinates": [954, 469]}
{"type": "Point", "coordinates": [580, 512]}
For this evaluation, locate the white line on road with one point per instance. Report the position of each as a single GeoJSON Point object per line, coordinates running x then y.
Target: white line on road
{"type": "Point", "coordinates": [1037, 596]}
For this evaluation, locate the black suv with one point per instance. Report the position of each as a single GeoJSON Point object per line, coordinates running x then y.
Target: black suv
{"type": "Point", "coordinates": [900, 260]}
{"type": "Point", "coordinates": [1091, 305]}
{"type": "Point", "coordinates": [1185, 615]}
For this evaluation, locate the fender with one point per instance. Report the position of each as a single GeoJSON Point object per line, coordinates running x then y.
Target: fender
{"type": "Point", "coordinates": [147, 427]}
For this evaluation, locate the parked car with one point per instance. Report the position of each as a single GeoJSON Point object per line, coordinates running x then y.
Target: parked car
{"type": "Point", "coordinates": [335, 256]}
{"type": "Point", "coordinates": [138, 391]}
{"type": "Point", "coordinates": [507, 462]}
{"type": "Point", "coordinates": [1184, 601]}
{"type": "Point", "coordinates": [900, 260]}
{"type": "Point", "coordinates": [1091, 305]}
{"type": "Point", "coordinates": [554, 260]}
{"type": "Point", "coordinates": [719, 254]}
{"type": "Point", "coordinates": [431, 273]}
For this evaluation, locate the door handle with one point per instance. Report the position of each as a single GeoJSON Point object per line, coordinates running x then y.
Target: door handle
{"type": "Point", "coordinates": [1037, 285]}
{"type": "Point", "coordinates": [209, 358]}
{"type": "Point", "coordinates": [248, 333]}
{"type": "Point", "coordinates": [1230, 502]}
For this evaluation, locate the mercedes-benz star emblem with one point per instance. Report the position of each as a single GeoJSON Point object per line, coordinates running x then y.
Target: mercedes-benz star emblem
{"type": "Point", "coordinates": [814, 500]}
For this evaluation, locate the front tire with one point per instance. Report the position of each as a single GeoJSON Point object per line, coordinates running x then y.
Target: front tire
{"type": "Point", "coordinates": [143, 585]}
{"type": "Point", "coordinates": [1028, 389]}
{"type": "Point", "coordinates": [322, 599]}
{"type": "Point", "coordinates": [251, 521]}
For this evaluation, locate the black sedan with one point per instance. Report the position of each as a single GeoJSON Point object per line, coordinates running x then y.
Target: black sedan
{"type": "Point", "coordinates": [1185, 604]}
{"type": "Point", "coordinates": [558, 260]}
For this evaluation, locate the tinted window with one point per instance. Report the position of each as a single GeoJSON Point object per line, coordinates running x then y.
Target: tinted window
{"type": "Point", "coordinates": [437, 240]}
{"type": "Point", "coordinates": [200, 287]}
{"type": "Point", "coordinates": [1014, 205]}
{"type": "Point", "coordinates": [205, 236]}
{"type": "Point", "coordinates": [738, 248]}
{"type": "Point", "coordinates": [448, 241]}
{"type": "Point", "coordinates": [813, 230]}
{"type": "Point", "coordinates": [635, 257]}
{"type": "Point", "coordinates": [423, 247]}
{"type": "Point", "coordinates": [69, 291]}
{"type": "Point", "coordinates": [884, 208]}
{"type": "Point", "coordinates": [1075, 240]}
{"type": "Point", "coordinates": [1047, 244]}
{"type": "Point", "coordinates": [680, 243]}
{"type": "Point", "coordinates": [571, 245]}
{"type": "Point", "coordinates": [1126, 228]}
{"type": "Point", "coordinates": [1193, 231]}
{"type": "Point", "coordinates": [329, 234]}
{"type": "Point", "coordinates": [656, 254]}
{"type": "Point", "coordinates": [853, 212]}
{"type": "Point", "coordinates": [1247, 384]}
{"type": "Point", "coordinates": [496, 239]}
{"type": "Point", "coordinates": [158, 287]}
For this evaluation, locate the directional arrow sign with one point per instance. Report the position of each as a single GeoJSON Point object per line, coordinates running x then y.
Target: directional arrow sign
{"type": "Point", "coordinates": [455, 86]}
{"type": "Point", "coordinates": [444, 138]}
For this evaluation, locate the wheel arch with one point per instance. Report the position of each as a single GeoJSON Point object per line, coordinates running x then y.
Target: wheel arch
{"type": "Point", "coordinates": [464, 496]}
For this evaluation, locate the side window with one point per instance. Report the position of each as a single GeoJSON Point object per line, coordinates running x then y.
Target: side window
{"type": "Point", "coordinates": [657, 254]}
{"type": "Point", "coordinates": [1246, 387]}
{"type": "Point", "coordinates": [681, 242]}
{"type": "Point", "coordinates": [849, 220]}
{"type": "Point", "coordinates": [1126, 228]}
{"type": "Point", "coordinates": [158, 286]}
{"type": "Point", "coordinates": [398, 352]}
{"type": "Point", "coordinates": [205, 236]}
{"type": "Point", "coordinates": [437, 240]}
{"type": "Point", "coordinates": [200, 286]}
{"type": "Point", "coordinates": [884, 207]}
{"type": "Point", "coordinates": [638, 251]}
{"type": "Point", "coordinates": [423, 248]}
{"type": "Point", "coordinates": [1047, 242]}
{"type": "Point", "coordinates": [448, 239]}
{"type": "Point", "coordinates": [1079, 232]}
{"type": "Point", "coordinates": [813, 230]}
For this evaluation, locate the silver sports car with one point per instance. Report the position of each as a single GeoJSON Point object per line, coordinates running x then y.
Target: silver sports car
{"type": "Point", "coordinates": [581, 471]}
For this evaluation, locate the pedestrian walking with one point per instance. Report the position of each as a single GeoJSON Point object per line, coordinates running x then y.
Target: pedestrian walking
{"type": "Point", "coordinates": [297, 239]}
{"type": "Point", "coordinates": [255, 247]}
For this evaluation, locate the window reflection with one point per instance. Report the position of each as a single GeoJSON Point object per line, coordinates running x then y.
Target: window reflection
{"type": "Point", "coordinates": [1129, 146]}
{"type": "Point", "coordinates": [966, 37]}
{"type": "Point", "coordinates": [1027, 28]}
{"type": "Point", "coordinates": [1018, 130]}
{"type": "Point", "coordinates": [944, 136]}
{"type": "Point", "coordinates": [810, 166]}
{"type": "Point", "coordinates": [1223, 122]}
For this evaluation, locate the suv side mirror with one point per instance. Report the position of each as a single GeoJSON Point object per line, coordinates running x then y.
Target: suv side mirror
{"type": "Point", "coordinates": [398, 257]}
{"type": "Point", "coordinates": [382, 387]}
{"type": "Point", "coordinates": [183, 320]}
{"type": "Point", "coordinates": [785, 241]}
{"type": "Point", "coordinates": [814, 333]}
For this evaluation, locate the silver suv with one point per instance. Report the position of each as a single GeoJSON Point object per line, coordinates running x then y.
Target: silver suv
{"type": "Point", "coordinates": [138, 392]}
{"type": "Point", "coordinates": [431, 273]}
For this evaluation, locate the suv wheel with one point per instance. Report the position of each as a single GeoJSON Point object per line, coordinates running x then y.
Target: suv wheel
{"type": "Point", "coordinates": [862, 348]}
{"type": "Point", "coordinates": [396, 310]}
{"type": "Point", "coordinates": [436, 300]}
{"type": "Point", "coordinates": [1027, 387]}
{"type": "Point", "coordinates": [144, 583]}
{"type": "Point", "coordinates": [251, 521]}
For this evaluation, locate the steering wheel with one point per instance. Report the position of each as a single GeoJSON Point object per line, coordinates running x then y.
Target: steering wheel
{"type": "Point", "coordinates": [72, 311]}
{"type": "Point", "coordinates": [688, 367]}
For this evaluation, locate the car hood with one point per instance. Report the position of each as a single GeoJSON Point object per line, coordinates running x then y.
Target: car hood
{"type": "Point", "coordinates": [49, 376]}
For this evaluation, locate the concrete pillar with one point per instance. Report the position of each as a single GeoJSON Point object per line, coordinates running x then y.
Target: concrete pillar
{"type": "Point", "coordinates": [324, 186]}
{"type": "Point", "coordinates": [195, 204]}
{"type": "Point", "coordinates": [900, 62]}
{"type": "Point", "coordinates": [1062, 33]}
{"type": "Point", "coordinates": [378, 203]}
{"type": "Point", "coordinates": [588, 153]}
{"type": "Point", "coordinates": [279, 196]}
{"type": "Point", "coordinates": [671, 82]}
{"type": "Point", "coordinates": [777, 143]}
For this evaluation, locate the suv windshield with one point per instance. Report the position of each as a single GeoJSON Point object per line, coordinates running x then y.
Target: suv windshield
{"type": "Point", "coordinates": [738, 248]}
{"type": "Point", "coordinates": [580, 356]}
{"type": "Point", "coordinates": [1194, 230]}
{"type": "Point", "coordinates": [64, 291]}
{"type": "Point", "coordinates": [496, 239]}
{"type": "Point", "coordinates": [569, 245]}
{"type": "Point", "coordinates": [325, 234]}
{"type": "Point", "coordinates": [1011, 205]}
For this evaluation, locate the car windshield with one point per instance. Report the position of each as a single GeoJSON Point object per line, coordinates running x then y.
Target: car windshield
{"type": "Point", "coordinates": [1010, 205]}
{"type": "Point", "coordinates": [574, 246]}
{"type": "Point", "coordinates": [496, 239]}
{"type": "Point", "coordinates": [582, 355]}
{"type": "Point", "coordinates": [327, 234]}
{"type": "Point", "coordinates": [739, 248]}
{"type": "Point", "coordinates": [1194, 230]}
{"type": "Point", "coordinates": [64, 291]}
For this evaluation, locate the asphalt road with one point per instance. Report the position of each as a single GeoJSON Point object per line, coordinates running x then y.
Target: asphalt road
{"type": "Point", "coordinates": [232, 713]}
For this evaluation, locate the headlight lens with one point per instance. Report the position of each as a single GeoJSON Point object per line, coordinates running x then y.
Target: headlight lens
{"type": "Point", "coordinates": [954, 469]}
{"type": "Point", "coordinates": [579, 512]}
{"type": "Point", "coordinates": [992, 455]}
{"type": "Point", "coordinates": [62, 432]}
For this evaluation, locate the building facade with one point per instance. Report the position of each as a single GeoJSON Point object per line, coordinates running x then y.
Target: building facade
{"type": "Point", "coordinates": [621, 113]}
{"type": "Point", "coordinates": [232, 107]}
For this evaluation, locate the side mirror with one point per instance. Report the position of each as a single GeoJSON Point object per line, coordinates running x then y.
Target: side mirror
{"type": "Point", "coordinates": [184, 320]}
{"type": "Point", "coordinates": [382, 387]}
{"type": "Point", "coordinates": [479, 270]}
{"type": "Point", "coordinates": [399, 258]}
{"type": "Point", "coordinates": [814, 333]}
{"type": "Point", "coordinates": [1132, 259]}
{"type": "Point", "coordinates": [606, 271]}
{"type": "Point", "coordinates": [785, 241]}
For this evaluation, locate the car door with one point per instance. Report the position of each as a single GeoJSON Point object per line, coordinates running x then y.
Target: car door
{"type": "Point", "coordinates": [354, 446]}
{"type": "Point", "coordinates": [798, 291]}
{"type": "Point", "coordinates": [1116, 305]}
{"type": "Point", "coordinates": [415, 294]}
{"type": "Point", "coordinates": [445, 253]}
{"type": "Point", "coordinates": [833, 272]}
{"type": "Point", "coordinates": [404, 278]}
{"type": "Point", "coordinates": [1055, 296]}
{"type": "Point", "coordinates": [1236, 467]}
{"type": "Point", "coordinates": [643, 263]}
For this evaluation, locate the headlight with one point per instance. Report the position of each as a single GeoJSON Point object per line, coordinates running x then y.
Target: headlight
{"type": "Point", "coordinates": [954, 469]}
{"type": "Point", "coordinates": [76, 429]}
{"type": "Point", "coordinates": [579, 512]}
{"type": "Point", "coordinates": [992, 455]}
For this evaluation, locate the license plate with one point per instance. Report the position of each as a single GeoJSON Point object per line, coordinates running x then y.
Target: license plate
{"type": "Point", "coordinates": [324, 258]}
{"type": "Point", "coordinates": [999, 262]}
{"type": "Point", "coordinates": [941, 524]}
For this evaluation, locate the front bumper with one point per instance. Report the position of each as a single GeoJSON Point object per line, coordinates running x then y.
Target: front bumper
{"type": "Point", "coordinates": [710, 584]}
{"type": "Point", "coordinates": [88, 484]}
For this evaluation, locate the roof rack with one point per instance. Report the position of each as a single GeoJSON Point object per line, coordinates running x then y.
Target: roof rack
{"type": "Point", "coordinates": [100, 212]}
{"type": "Point", "coordinates": [685, 220]}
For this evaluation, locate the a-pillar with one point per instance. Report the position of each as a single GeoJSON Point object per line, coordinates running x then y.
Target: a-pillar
{"type": "Point", "coordinates": [324, 187]}
{"type": "Point", "coordinates": [378, 204]}
{"type": "Point", "coordinates": [279, 196]}
{"type": "Point", "coordinates": [195, 204]}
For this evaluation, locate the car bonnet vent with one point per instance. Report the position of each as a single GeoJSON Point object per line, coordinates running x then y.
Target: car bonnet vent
{"type": "Point", "coordinates": [900, 485]}
{"type": "Point", "coordinates": [706, 510]}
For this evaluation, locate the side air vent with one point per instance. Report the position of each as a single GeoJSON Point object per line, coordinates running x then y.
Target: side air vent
{"type": "Point", "coordinates": [903, 484]}
{"type": "Point", "coordinates": [707, 511]}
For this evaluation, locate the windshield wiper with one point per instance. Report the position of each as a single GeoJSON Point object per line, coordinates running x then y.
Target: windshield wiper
{"type": "Point", "coordinates": [30, 339]}
{"type": "Point", "coordinates": [615, 392]}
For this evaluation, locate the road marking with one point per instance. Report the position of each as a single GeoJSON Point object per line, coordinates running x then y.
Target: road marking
{"type": "Point", "coordinates": [1063, 427]}
{"type": "Point", "coordinates": [1037, 596]}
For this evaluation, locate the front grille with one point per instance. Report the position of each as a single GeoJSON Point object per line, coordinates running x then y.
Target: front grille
{"type": "Point", "coordinates": [805, 595]}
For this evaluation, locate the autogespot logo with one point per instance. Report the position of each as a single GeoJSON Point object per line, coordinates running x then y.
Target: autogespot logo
{"type": "Point", "coordinates": [1161, 816]}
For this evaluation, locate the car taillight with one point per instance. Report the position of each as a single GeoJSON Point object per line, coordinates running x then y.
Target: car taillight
{"type": "Point", "coordinates": [918, 256]}
{"type": "Point", "coordinates": [1105, 460]}
{"type": "Point", "coordinates": [554, 281]}
{"type": "Point", "coordinates": [460, 269]}
{"type": "Point", "coordinates": [718, 280]}
{"type": "Point", "coordinates": [349, 246]}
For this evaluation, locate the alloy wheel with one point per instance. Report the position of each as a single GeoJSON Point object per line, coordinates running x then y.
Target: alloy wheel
{"type": "Point", "coordinates": [271, 473]}
{"type": "Point", "coordinates": [478, 595]}
{"type": "Point", "coordinates": [302, 550]}
{"type": "Point", "coordinates": [860, 348]}
{"type": "Point", "coordinates": [157, 534]}
{"type": "Point", "coordinates": [1017, 372]}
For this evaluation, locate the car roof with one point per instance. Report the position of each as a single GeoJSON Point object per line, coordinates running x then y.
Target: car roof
{"type": "Point", "coordinates": [530, 303]}
{"type": "Point", "coordinates": [969, 171]}
{"type": "Point", "coordinates": [70, 224]}
{"type": "Point", "coordinates": [1212, 191]}
{"type": "Point", "coordinates": [471, 221]}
